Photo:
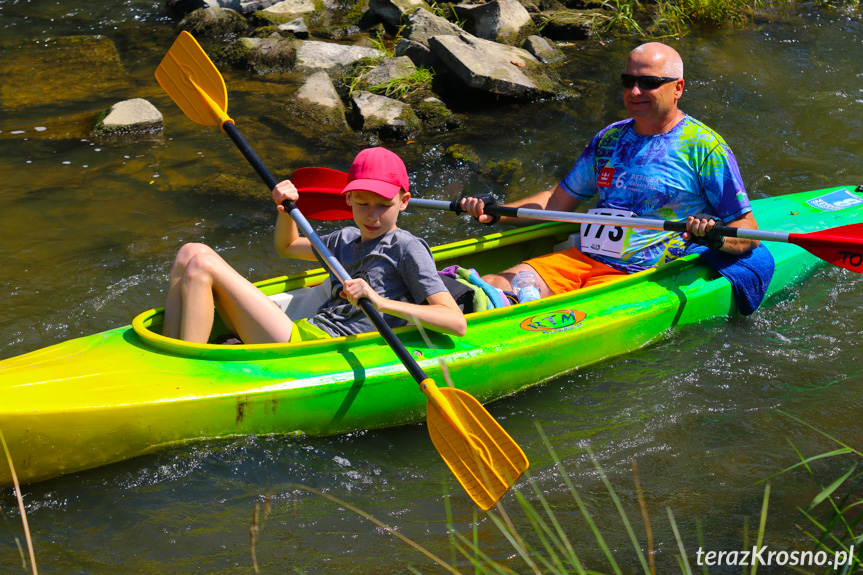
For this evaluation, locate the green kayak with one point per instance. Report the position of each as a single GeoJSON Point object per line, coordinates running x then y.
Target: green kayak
{"type": "Point", "coordinates": [129, 391]}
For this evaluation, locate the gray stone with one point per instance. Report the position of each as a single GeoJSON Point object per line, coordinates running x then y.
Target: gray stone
{"type": "Point", "coordinates": [318, 100]}
{"type": "Point", "coordinates": [241, 6]}
{"type": "Point", "coordinates": [422, 25]}
{"type": "Point", "coordinates": [214, 23]}
{"type": "Point", "coordinates": [285, 11]}
{"type": "Point", "coordinates": [389, 70]}
{"type": "Point", "coordinates": [542, 49]}
{"type": "Point", "coordinates": [136, 115]}
{"type": "Point", "coordinates": [264, 55]}
{"type": "Point", "coordinates": [494, 68]}
{"type": "Point", "coordinates": [296, 27]}
{"type": "Point", "coordinates": [420, 54]}
{"type": "Point", "coordinates": [384, 116]}
{"type": "Point", "coordinates": [392, 11]}
{"type": "Point", "coordinates": [327, 55]}
{"type": "Point", "coordinates": [505, 21]}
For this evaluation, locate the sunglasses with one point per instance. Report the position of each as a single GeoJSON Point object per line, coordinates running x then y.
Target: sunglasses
{"type": "Point", "coordinates": [645, 82]}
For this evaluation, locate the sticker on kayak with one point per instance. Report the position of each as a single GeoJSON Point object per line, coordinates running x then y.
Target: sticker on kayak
{"type": "Point", "coordinates": [838, 200]}
{"type": "Point", "coordinates": [554, 320]}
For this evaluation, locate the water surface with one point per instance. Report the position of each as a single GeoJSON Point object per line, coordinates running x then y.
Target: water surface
{"type": "Point", "coordinates": [90, 228]}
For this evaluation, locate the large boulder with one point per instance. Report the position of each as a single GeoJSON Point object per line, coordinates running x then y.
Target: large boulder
{"type": "Point", "coordinates": [327, 55]}
{"type": "Point", "coordinates": [505, 21]}
{"type": "Point", "coordinates": [494, 68]}
{"type": "Point", "coordinates": [385, 117]}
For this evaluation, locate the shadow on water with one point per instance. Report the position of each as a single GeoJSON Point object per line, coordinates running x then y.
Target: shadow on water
{"type": "Point", "coordinates": [90, 228]}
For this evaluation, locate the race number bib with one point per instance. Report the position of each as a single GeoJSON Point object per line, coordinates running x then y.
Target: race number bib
{"type": "Point", "coordinates": [605, 240]}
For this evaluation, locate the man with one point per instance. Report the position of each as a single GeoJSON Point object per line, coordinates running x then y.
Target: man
{"type": "Point", "coordinates": [660, 163]}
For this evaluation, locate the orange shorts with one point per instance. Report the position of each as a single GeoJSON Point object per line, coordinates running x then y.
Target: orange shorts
{"type": "Point", "coordinates": [571, 270]}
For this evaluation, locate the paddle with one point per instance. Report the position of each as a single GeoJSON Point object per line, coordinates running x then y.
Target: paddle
{"type": "Point", "coordinates": [482, 456]}
{"type": "Point", "coordinates": [842, 246]}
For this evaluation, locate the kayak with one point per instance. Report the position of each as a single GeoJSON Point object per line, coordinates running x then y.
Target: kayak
{"type": "Point", "coordinates": [129, 391]}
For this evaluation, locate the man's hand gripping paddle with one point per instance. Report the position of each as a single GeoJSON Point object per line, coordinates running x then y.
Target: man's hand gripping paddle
{"type": "Point", "coordinates": [483, 457]}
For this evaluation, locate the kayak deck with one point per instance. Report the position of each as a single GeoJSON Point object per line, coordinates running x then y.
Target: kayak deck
{"type": "Point", "coordinates": [130, 391]}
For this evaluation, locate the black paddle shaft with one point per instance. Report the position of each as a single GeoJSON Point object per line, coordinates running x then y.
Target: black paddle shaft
{"type": "Point", "coordinates": [394, 342]}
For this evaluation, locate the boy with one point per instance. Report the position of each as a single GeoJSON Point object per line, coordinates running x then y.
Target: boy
{"type": "Point", "coordinates": [390, 267]}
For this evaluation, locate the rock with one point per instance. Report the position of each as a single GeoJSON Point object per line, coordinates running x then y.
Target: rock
{"type": "Point", "coordinates": [317, 101]}
{"type": "Point", "coordinates": [420, 54]}
{"type": "Point", "coordinates": [568, 25]}
{"type": "Point", "coordinates": [495, 68]}
{"type": "Point", "coordinates": [505, 21]}
{"type": "Point", "coordinates": [392, 11]}
{"type": "Point", "coordinates": [284, 12]}
{"type": "Point", "coordinates": [214, 23]}
{"type": "Point", "coordinates": [60, 70]}
{"type": "Point", "coordinates": [297, 28]}
{"type": "Point", "coordinates": [436, 116]}
{"type": "Point", "coordinates": [542, 49]}
{"type": "Point", "coordinates": [327, 55]}
{"type": "Point", "coordinates": [389, 70]}
{"type": "Point", "coordinates": [384, 116]}
{"type": "Point", "coordinates": [464, 155]}
{"type": "Point", "coordinates": [241, 6]}
{"type": "Point", "coordinates": [130, 116]}
{"type": "Point", "coordinates": [422, 25]}
{"type": "Point", "coordinates": [263, 55]}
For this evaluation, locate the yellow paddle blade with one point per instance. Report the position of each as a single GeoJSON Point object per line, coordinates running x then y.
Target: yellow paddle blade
{"type": "Point", "coordinates": [481, 455]}
{"type": "Point", "coordinates": [191, 79]}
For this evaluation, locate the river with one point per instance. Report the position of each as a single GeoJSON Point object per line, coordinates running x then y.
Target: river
{"type": "Point", "coordinates": [89, 229]}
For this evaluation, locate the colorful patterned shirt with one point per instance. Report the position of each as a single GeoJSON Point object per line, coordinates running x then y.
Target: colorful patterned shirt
{"type": "Point", "coordinates": [683, 172]}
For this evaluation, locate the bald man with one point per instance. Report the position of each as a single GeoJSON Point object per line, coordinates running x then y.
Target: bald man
{"type": "Point", "coordinates": [660, 163]}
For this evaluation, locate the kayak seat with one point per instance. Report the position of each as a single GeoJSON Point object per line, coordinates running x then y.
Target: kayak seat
{"type": "Point", "coordinates": [303, 302]}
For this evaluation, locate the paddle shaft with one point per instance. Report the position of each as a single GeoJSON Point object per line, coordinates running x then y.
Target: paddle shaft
{"type": "Point", "coordinates": [580, 218]}
{"type": "Point", "coordinates": [332, 263]}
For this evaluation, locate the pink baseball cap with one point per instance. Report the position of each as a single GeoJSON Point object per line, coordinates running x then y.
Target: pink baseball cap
{"type": "Point", "coordinates": [378, 170]}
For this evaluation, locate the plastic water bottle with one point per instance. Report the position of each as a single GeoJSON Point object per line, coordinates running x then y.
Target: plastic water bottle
{"type": "Point", "coordinates": [525, 286]}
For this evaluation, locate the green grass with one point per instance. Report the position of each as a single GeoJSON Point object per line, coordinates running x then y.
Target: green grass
{"type": "Point", "coordinates": [666, 18]}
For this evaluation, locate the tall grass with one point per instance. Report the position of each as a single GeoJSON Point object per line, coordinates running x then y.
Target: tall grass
{"type": "Point", "coordinates": [833, 515]}
{"type": "Point", "coordinates": [665, 18]}
{"type": "Point", "coordinates": [539, 544]}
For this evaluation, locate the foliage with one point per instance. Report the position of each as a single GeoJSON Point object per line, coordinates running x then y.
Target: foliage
{"type": "Point", "coordinates": [665, 18]}
{"type": "Point", "coordinates": [837, 510]}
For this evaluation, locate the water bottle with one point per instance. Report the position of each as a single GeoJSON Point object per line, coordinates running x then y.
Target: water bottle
{"type": "Point", "coordinates": [525, 286]}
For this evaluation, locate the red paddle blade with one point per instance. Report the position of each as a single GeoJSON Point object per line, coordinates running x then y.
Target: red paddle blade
{"type": "Point", "coordinates": [321, 193]}
{"type": "Point", "coordinates": [842, 246]}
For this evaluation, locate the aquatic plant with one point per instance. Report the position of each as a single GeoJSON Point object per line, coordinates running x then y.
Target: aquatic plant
{"type": "Point", "coordinates": [665, 18]}
{"type": "Point", "coordinates": [837, 510]}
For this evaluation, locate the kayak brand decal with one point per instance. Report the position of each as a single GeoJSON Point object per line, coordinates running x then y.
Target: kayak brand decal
{"type": "Point", "coordinates": [557, 320]}
{"type": "Point", "coordinates": [838, 200]}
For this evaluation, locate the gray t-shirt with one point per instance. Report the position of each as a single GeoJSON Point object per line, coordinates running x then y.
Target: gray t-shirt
{"type": "Point", "coordinates": [398, 266]}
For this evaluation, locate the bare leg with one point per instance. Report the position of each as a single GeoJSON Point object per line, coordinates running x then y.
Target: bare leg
{"type": "Point", "coordinates": [207, 282]}
{"type": "Point", "coordinates": [174, 301]}
{"type": "Point", "coordinates": [503, 280]}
